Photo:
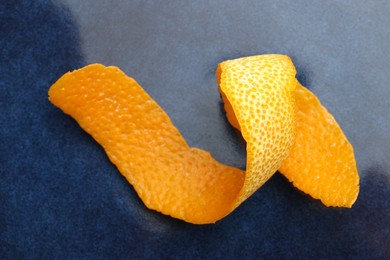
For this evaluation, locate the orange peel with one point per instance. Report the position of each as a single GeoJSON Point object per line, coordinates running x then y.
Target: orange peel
{"type": "Point", "coordinates": [149, 151]}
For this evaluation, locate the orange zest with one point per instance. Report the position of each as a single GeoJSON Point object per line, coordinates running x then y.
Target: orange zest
{"type": "Point", "coordinates": [260, 96]}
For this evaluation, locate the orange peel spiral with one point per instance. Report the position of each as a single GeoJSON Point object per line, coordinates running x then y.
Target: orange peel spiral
{"type": "Point", "coordinates": [169, 176]}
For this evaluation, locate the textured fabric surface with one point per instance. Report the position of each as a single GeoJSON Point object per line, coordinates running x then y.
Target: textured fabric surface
{"type": "Point", "coordinates": [60, 197]}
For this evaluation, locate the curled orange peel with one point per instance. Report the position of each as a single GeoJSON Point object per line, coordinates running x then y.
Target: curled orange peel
{"type": "Point", "coordinates": [168, 175]}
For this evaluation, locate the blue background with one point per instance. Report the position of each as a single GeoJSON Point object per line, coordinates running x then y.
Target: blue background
{"type": "Point", "coordinates": [62, 198]}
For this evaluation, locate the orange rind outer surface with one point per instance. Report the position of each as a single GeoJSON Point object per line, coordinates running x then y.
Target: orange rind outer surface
{"type": "Point", "coordinates": [258, 92]}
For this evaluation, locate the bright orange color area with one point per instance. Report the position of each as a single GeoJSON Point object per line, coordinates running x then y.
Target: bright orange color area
{"type": "Point", "coordinates": [322, 162]}
{"type": "Point", "coordinates": [260, 95]}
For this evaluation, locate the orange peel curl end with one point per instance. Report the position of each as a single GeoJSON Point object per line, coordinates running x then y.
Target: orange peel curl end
{"type": "Point", "coordinates": [322, 162]}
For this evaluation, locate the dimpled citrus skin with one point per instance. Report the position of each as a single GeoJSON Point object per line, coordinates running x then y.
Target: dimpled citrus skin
{"type": "Point", "coordinates": [322, 162]}
{"type": "Point", "coordinates": [140, 139]}
{"type": "Point", "coordinates": [259, 90]}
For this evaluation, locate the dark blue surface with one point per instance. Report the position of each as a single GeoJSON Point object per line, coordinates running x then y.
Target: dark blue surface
{"type": "Point", "coordinates": [61, 197]}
